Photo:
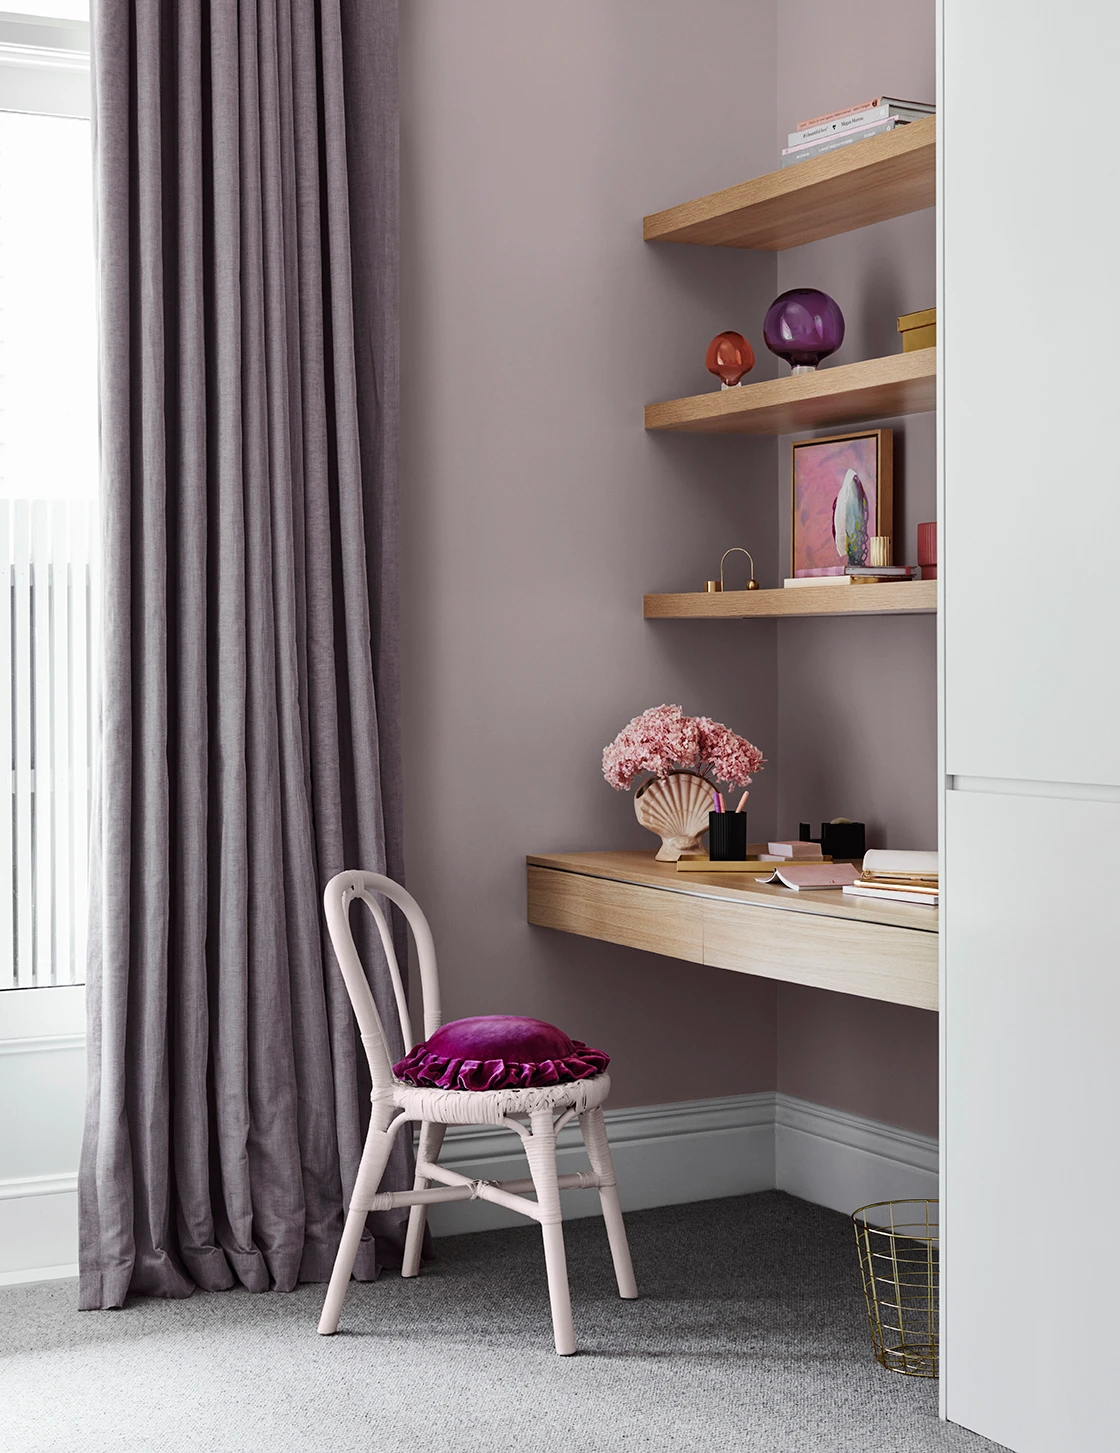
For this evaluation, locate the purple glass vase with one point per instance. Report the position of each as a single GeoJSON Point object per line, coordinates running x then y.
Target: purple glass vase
{"type": "Point", "coordinates": [803, 326]}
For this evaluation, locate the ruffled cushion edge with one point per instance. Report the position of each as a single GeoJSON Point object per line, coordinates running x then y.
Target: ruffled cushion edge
{"type": "Point", "coordinates": [441, 1072]}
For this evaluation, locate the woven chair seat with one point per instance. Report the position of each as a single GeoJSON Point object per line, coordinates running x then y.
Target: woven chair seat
{"type": "Point", "coordinates": [491, 1107]}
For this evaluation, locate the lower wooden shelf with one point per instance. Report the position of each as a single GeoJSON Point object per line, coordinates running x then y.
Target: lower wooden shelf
{"type": "Point", "coordinates": [877, 950]}
{"type": "Point", "coordinates": [912, 597]}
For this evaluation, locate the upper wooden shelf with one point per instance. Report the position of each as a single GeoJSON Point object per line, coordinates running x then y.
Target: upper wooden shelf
{"type": "Point", "coordinates": [853, 186]}
{"type": "Point", "coordinates": [914, 597]}
{"type": "Point", "coordinates": [878, 388]}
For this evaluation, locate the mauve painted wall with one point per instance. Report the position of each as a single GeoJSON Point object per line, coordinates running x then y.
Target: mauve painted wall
{"type": "Point", "coordinates": [857, 717]}
{"type": "Point", "coordinates": [536, 510]}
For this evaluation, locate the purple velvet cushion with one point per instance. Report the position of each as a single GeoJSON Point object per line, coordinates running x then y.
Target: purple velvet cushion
{"type": "Point", "coordinates": [499, 1052]}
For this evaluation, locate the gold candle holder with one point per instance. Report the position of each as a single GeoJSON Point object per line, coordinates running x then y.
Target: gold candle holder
{"type": "Point", "coordinates": [880, 550]}
{"type": "Point", "coordinates": [712, 587]}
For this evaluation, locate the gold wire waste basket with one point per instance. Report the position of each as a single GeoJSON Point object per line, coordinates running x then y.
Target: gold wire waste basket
{"type": "Point", "coordinates": [897, 1243]}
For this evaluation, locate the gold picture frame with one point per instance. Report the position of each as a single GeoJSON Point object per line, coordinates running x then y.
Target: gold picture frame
{"type": "Point", "coordinates": [819, 470]}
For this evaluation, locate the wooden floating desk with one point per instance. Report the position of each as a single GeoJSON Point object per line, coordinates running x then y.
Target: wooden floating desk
{"type": "Point", "coordinates": [873, 948]}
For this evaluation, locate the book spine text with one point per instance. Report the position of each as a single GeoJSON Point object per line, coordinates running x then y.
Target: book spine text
{"type": "Point", "coordinates": [833, 128]}
{"type": "Point", "coordinates": [790, 157]}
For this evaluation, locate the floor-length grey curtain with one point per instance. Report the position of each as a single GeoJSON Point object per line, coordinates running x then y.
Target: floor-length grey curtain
{"type": "Point", "coordinates": [246, 158]}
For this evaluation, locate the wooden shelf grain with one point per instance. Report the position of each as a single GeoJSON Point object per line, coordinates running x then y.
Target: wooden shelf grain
{"type": "Point", "coordinates": [878, 388]}
{"type": "Point", "coordinates": [905, 597]}
{"type": "Point", "coordinates": [853, 186]}
{"type": "Point", "coordinates": [875, 949]}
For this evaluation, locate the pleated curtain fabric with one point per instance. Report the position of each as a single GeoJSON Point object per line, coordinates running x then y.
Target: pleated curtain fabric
{"type": "Point", "coordinates": [246, 177]}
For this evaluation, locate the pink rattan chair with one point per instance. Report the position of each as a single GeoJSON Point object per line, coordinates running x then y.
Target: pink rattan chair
{"type": "Point", "coordinates": [546, 1108]}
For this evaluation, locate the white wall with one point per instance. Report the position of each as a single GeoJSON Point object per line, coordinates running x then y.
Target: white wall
{"type": "Point", "coordinates": [42, 1091]}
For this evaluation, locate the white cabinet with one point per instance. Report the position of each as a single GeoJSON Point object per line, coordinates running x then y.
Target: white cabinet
{"type": "Point", "coordinates": [1030, 530]}
{"type": "Point", "coordinates": [1032, 1085]}
{"type": "Point", "coordinates": [1031, 396]}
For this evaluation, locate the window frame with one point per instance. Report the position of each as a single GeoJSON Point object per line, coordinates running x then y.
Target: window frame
{"type": "Point", "coordinates": [44, 66]}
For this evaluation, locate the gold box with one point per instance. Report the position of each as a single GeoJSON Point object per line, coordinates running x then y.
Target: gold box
{"type": "Point", "coordinates": [919, 330]}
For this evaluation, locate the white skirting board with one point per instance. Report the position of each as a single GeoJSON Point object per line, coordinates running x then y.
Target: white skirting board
{"type": "Point", "coordinates": [843, 1161]}
{"type": "Point", "coordinates": [695, 1150]}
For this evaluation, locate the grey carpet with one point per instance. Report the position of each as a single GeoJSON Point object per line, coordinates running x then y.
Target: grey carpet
{"type": "Point", "coordinates": [750, 1334]}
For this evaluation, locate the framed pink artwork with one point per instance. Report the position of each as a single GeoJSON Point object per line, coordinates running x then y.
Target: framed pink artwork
{"type": "Point", "coordinates": [841, 498]}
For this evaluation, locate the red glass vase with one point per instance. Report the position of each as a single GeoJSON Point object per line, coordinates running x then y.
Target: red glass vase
{"type": "Point", "coordinates": [730, 357]}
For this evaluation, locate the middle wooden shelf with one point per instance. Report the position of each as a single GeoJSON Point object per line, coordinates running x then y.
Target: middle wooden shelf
{"type": "Point", "coordinates": [877, 388]}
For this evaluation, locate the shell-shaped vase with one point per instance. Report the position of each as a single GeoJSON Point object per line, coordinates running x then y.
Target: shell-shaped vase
{"type": "Point", "coordinates": [676, 808]}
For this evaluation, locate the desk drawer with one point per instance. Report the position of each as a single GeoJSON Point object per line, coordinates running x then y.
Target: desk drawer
{"type": "Point", "coordinates": [869, 959]}
{"type": "Point", "coordinates": [645, 918]}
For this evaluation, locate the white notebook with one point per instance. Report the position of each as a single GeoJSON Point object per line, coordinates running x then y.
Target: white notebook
{"type": "Point", "coordinates": [891, 863]}
{"type": "Point", "coordinates": [897, 894]}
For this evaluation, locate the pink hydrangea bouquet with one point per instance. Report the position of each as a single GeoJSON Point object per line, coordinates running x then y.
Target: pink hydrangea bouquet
{"type": "Point", "coordinates": [686, 756]}
{"type": "Point", "coordinates": [663, 740]}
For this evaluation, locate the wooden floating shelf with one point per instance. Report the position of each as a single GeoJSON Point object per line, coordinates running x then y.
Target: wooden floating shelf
{"type": "Point", "coordinates": [853, 186]}
{"type": "Point", "coordinates": [907, 597]}
{"type": "Point", "coordinates": [878, 388]}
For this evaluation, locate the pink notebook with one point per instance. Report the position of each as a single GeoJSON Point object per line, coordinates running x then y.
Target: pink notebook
{"type": "Point", "coordinates": [813, 875]}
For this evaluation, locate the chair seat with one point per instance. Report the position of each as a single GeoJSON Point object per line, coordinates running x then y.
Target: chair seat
{"type": "Point", "coordinates": [491, 1107]}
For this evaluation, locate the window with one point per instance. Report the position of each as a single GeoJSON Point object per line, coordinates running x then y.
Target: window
{"type": "Point", "coordinates": [48, 483]}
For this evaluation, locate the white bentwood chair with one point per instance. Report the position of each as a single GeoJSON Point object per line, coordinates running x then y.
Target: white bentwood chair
{"type": "Point", "coordinates": [547, 1109]}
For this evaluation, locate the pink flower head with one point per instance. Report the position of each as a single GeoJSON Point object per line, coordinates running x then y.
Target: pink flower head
{"type": "Point", "coordinates": [729, 758]}
{"type": "Point", "coordinates": [663, 740]}
{"type": "Point", "coordinates": [658, 741]}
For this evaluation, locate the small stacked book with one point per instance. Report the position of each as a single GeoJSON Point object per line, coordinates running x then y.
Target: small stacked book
{"type": "Point", "coordinates": [822, 134]}
{"type": "Point", "coordinates": [903, 877]}
{"type": "Point", "coordinates": [760, 858]}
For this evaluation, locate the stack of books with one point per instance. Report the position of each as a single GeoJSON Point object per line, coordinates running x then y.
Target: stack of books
{"type": "Point", "coordinates": [857, 575]}
{"type": "Point", "coordinates": [821, 134]}
{"type": "Point", "coordinates": [902, 877]}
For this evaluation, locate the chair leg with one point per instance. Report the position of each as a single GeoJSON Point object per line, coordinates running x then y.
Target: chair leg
{"type": "Point", "coordinates": [431, 1140]}
{"type": "Point", "coordinates": [375, 1157]}
{"type": "Point", "coordinates": [599, 1153]}
{"type": "Point", "coordinates": [540, 1149]}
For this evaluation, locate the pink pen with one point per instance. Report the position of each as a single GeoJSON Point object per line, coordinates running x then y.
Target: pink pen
{"type": "Point", "coordinates": [742, 801]}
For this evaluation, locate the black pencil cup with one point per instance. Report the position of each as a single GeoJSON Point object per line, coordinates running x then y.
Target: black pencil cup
{"type": "Point", "coordinates": [727, 837]}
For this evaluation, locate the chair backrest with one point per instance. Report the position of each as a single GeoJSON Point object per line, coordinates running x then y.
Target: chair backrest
{"type": "Point", "coordinates": [340, 892]}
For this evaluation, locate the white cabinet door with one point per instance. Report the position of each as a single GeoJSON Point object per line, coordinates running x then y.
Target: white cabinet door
{"type": "Point", "coordinates": [1030, 544]}
{"type": "Point", "coordinates": [1031, 1131]}
{"type": "Point", "coordinates": [1028, 328]}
